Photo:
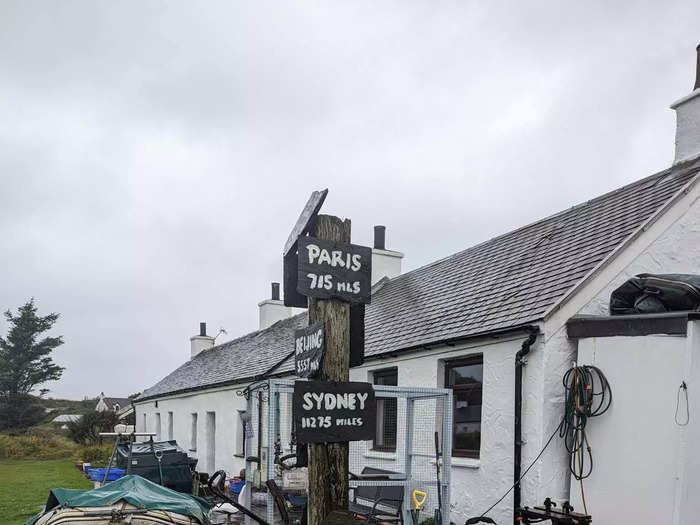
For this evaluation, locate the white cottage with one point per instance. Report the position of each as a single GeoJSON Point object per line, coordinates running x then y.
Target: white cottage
{"type": "Point", "coordinates": [466, 316]}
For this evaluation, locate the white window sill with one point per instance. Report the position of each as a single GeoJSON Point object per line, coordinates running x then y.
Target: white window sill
{"type": "Point", "coordinates": [376, 454]}
{"type": "Point", "coordinates": [462, 463]}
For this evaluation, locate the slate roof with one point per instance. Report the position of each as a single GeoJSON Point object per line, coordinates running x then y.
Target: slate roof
{"type": "Point", "coordinates": [243, 358]}
{"type": "Point", "coordinates": [66, 418]}
{"type": "Point", "coordinates": [122, 401]}
{"type": "Point", "coordinates": [503, 283]}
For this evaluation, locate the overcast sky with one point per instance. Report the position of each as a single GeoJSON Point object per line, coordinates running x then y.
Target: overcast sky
{"type": "Point", "coordinates": [155, 155]}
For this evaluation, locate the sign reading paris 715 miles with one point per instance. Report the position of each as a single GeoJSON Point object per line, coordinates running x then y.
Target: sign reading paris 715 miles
{"type": "Point", "coordinates": [329, 269]}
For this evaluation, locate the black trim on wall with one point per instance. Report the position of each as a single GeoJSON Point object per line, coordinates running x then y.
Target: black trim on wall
{"type": "Point", "coordinates": [671, 323]}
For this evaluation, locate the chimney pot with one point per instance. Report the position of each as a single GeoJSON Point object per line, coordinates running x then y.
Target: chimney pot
{"type": "Point", "coordinates": [380, 237]}
{"type": "Point", "coordinates": [275, 291]}
{"type": "Point", "coordinates": [688, 121]}
{"type": "Point", "coordinates": [200, 342]}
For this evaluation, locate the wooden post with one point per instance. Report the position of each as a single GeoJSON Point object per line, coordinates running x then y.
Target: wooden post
{"type": "Point", "coordinates": [328, 462]}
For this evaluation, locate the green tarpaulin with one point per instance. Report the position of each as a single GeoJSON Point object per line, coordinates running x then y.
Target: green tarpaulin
{"type": "Point", "coordinates": [135, 490]}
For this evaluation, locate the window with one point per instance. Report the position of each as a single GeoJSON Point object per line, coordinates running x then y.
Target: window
{"type": "Point", "coordinates": [465, 377]}
{"type": "Point", "coordinates": [158, 434]}
{"type": "Point", "coordinates": [170, 425]}
{"type": "Point", "coordinates": [145, 426]}
{"type": "Point", "coordinates": [193, 433]}
{"type": "Point", "coordinates": [242, 418]}
{"type": "Point", "coordinates": [385, 437]}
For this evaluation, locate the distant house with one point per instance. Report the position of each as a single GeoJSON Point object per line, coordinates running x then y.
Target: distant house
{"type": "Point", "coordinates": [113, 404]}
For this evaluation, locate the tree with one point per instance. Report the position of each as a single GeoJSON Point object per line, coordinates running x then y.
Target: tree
{"type": "Point", "coordinates": [25, 360]}
{"type": "Point", "coordinates": [25, 363]}
{"type": "Point", "coordinates": [19, 412]}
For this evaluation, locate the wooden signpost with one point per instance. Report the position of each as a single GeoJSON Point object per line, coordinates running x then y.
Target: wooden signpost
{"type": "Point", "coordinates": [332, 274]}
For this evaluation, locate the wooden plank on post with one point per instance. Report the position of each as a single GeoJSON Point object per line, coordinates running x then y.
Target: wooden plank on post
{"type": "Point", "coordinates": [328, 462]}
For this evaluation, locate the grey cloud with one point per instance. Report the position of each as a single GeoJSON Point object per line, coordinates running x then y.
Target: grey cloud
{"type": "Point", "coordinates": [153, 156]}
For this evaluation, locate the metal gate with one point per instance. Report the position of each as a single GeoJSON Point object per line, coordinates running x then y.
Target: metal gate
{"type": "Point", "coordinates": [407, 419]}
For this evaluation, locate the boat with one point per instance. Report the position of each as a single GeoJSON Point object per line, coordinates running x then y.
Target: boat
{"type": "Point", "coordinates": [131, 500]}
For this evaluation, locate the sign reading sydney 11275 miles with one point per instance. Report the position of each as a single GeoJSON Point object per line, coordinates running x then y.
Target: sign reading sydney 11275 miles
{"type": "Point", "coordinates": [329, 269]}
{"type": "Point", "coordinates": [330, 412]}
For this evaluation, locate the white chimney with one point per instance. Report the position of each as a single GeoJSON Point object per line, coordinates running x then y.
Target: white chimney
{"type": "Point", "coordinates": [385, 263]}
{"type": "Point", "coordinates": [688, 121]}
{"type": "Point", "coordinates": [200, 342]}
{"type": "Point", "coordinates": [273, 310]}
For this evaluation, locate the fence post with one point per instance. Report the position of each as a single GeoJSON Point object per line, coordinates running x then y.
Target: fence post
{"type": "Point", "coordinates": [271, 433]}
{"type": "Point", "coordinates": [408, 439]}
{"type": "Point", "coordinates": [447, 456]}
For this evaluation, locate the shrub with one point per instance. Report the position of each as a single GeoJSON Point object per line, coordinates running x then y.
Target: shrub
{"type": "Point", "coordinates": [96, 455]}
{"type": "Point", "coordinates": [45, 445]}
{"type": "Point", "coordinates": [36, 447]}
{"type": "Point", "coordinates": [86, 430]}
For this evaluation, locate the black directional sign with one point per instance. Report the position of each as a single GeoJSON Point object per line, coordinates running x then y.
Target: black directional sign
{"type": "Point", "coordinates": [328, 269]}
{"type": "Point", "coordinates": [309, 344]}
{"type": "Point", "coordinates": [330, 412]}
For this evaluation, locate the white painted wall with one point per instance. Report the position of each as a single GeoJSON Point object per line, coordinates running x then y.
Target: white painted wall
{"type": "Point", "coordinates": [270, 311]}
{"type": "Point", "coordinates": [474, 482]}
{"type": "Point", "coordinates": [677, 250]}
{"type": "Point", "coordinates": [385, 263]}
{"type": "Point", "coordinates": [687, 126]}
{"type": "Point", "coordinates": [199, 343]}
{"type": "Point", "coordinates": [670, 244]}
{"type": "Point", "coordinates": [687, 500]}
{"type": "Point", "coordinates": [223, 402]}
{"type": "Point", "coordinates": [636, 443]}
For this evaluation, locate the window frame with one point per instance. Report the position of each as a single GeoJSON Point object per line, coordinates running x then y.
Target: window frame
{"type": "Point", "coordinates": [241, 438]}
{"type": "Point", "coordinates": [450, 364]}
{"type": "Point", "coordinates": [376, 374]}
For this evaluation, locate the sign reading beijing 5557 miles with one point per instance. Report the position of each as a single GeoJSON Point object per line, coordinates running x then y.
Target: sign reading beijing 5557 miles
{"type": "Point", "coordinates": [330, 269]}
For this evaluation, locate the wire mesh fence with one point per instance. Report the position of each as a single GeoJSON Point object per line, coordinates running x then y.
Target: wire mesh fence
{"type": "Point", "coordinates": [402, 453]}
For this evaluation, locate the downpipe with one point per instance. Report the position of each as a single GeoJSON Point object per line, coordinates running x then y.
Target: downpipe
{"type": "Point", "coordinates": [517, 441]}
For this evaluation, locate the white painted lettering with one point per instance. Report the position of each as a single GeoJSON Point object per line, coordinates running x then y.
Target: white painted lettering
{"type": "Point", "coordinates": [308, 405]}
{"type": "Point", "coordinates": [313, 252]}
{"type": "Point", "coordinates": [362, 398]}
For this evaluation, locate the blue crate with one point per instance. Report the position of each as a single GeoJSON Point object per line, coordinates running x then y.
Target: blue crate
{"type": "Point", "coordinates": [98, 474]}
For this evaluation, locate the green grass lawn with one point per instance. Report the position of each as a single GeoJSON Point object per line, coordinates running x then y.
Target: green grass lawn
{"type": "Point", "coordinates": [25, 485]}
